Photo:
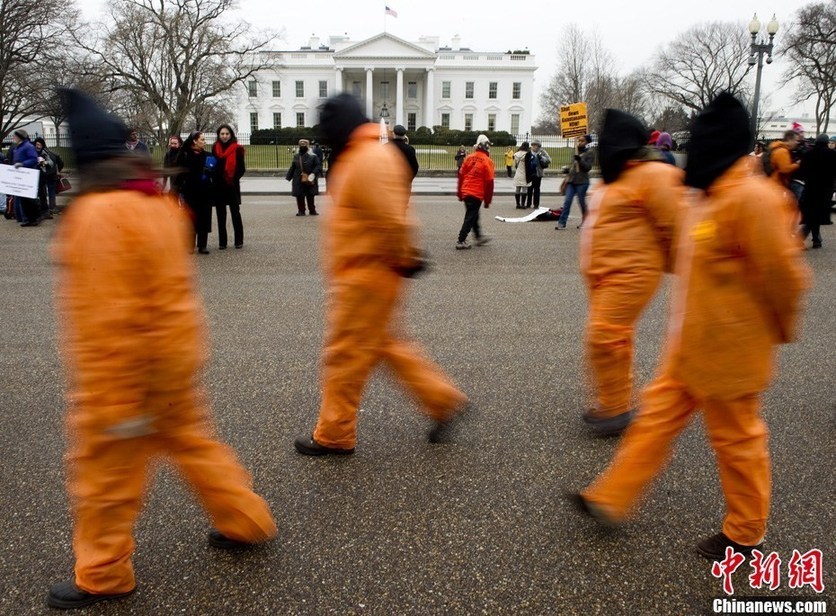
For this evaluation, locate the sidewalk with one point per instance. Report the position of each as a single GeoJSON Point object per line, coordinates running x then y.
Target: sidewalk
{"type": "Point", "coordinates": [420, 186]}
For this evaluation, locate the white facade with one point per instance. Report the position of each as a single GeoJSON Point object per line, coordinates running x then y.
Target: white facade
{"type": "Point", "coordinates": [416, 84]}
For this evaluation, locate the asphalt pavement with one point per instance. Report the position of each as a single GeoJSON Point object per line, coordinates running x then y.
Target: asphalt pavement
{"type": "Point", "coordinates": [478, 526]}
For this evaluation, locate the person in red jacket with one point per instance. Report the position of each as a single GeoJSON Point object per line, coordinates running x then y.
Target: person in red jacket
{"type": "Point", "coordinates": [474, 188]}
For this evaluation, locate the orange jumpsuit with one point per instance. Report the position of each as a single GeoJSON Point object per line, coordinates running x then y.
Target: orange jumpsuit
{"type": "Point", "coordinates": [740, 281]}
{"type": "Point", "coordinates": [780, 157]}
{"type": "Point", "coordinates": [133, 341]}
{"type": "Point", "coordinates": [367, 235]}
{"type": "Point", "coordinates": [625, 248]}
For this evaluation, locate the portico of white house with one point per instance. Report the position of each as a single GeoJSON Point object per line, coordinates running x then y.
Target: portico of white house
{"type": "Point", "coordinates": [414, 84]}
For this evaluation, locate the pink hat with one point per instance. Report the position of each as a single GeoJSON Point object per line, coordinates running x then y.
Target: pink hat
{"type": "Point", "coordinates": [654, 137]}
{"type": "Point", "coordinates": [798, 128]}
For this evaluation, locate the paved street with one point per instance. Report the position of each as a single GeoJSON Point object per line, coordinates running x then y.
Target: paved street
{"type": "Point", "coordinates": [480, 526]}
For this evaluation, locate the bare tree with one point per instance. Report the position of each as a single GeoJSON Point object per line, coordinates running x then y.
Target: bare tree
{"type": "Point", "coordinates": [30, 36]}
{"type": "Point", "coordinates": [705, 60]}
{"type": "Point", "coordinates": [810, 48]}
{"type": "Point", "coordinates": [586, 73]}
{"type": "Point", "coordinates": [171, 56]}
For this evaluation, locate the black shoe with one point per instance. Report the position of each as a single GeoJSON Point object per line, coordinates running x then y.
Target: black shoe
{"type": "Point", "coordinates": [218, 540]}
{"type": "Point", "coordinates": [300, 213]}
{"type": "Point", "coordinates": [221, 247]}
{"type": "Point", "coordinates": [714, 548]}
{"type": "Point", "coordinates": [68, 596]}
{"type": "Point", "coordinates": [314, 213]}
{"type": "Point", "coordinates": [592, 510]}
{"type": "Point", "coordinates": [442, 431]}
{"type": "Point", "coordinates": [608, 426]}
{"type": "Point", "coordinates": [309, 447]}
{"type": "Point", "coordinates": [29, 224]}
{"type": "Point", "coordinates": [239, 245]}
{"type": "Point", "coordinates": [203, 251]}
{"type": "Point", "coordinates": [816, 244]}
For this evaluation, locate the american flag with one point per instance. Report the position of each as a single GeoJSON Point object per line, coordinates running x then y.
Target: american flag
{"type": "Point", "coordinates": [391, 12]}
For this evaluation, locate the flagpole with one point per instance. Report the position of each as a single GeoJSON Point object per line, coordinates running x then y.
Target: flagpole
{"type": "Point", "coordinates": [385, 14]}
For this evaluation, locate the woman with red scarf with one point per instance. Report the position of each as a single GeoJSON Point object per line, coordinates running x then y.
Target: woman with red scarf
{"type": "Point", "coordinates": [230, 168]}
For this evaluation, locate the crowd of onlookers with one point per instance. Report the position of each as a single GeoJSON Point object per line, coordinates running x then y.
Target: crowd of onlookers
{"type": "Point", "coordinates": [32, 154]}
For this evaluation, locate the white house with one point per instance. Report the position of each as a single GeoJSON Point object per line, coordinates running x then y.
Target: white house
{"type": "Point", "coordinates": [414, 84]}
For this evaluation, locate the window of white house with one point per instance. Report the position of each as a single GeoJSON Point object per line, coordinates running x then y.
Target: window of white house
{"type": "Point", "coordinates": [515, 123]}
{"type": "Point", "coordinates": [384, 89]}
{"type": "Point", "coordinates": [491, 121]}
{"type": "Point", "coordinates": [468, 90]}
{"type": "Point", "coordinates": [300, 89]}
{"type": "Point", "coordinates": [323, 89]}
{"type": "Point", "coordinates": [445, 89]}
{"type": "Point", "coordinates": [411, 121]}
{"type": "Point", "coordinates": [253, 122]}
{"type": "Point", "coordinates": [300, 119]}
{"type": "Point", "coordinates": [252, 88]}
{"type": "Point", "coordinates": [277, 120]}
{"type": "Point", "coordinates": [468, 121]}
{"type": "Point", "coordinates": [355, 89]}
{"type": "Point", "coordinates": [445, 120]}
{"type": "Point", "coordinates": [516, 89]}
{"type": "Point", "coordinates": [412, 89]}
{"type": "Point", "coordinates": [492, 87]}
{"type": "Point", "coordinates": [277, 89]}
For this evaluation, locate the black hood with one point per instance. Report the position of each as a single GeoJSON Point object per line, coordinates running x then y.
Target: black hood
{"type": "Point", "coordinates": [720, 135]}
{"type": "Point", "coordinates": [622, 137]}
{"type": "Point", "coordinates": [95, 134]}
{"type": "Point", "coordinates": [339, 116]}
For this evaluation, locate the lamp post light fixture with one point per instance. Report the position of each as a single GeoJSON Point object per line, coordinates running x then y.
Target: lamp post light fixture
{"type": "Point", "coordinates": [756, 52]}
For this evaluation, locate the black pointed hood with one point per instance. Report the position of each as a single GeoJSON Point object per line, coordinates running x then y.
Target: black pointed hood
{"type": "Point", "coordinates": [96, 134]}
{"type": "Point", "coordinates": [339, 116]}
{"type": "Point", "coordinates": [622, 137]}
{"type": "Point", "coordinates": [720, 135]}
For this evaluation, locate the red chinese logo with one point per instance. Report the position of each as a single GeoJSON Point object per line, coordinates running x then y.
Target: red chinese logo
{"type": "Point", "coordinates": [765, 570]}
{"type": "Point", "coordinates": [806, 570]}
{"type": "Point", "coordinates": [726, 567]}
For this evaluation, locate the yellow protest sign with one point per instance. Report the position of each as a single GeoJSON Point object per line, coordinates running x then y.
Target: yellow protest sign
{"type": "Point", "coordinates": [573, 120]}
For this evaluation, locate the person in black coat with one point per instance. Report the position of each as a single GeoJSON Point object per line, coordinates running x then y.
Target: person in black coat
{"type": "Point", "coordinates": [175, 144]}
{"type": "Point", "coordinates": [227, 183]}
{"type": "Point", "coordinates": [304, 161]}
{"type": "Point", "coordinates": [399, 141]}
{"type": "Point", "coordinates": [817, 171]}
{"type": "Point", "coordinates": [194, 186]}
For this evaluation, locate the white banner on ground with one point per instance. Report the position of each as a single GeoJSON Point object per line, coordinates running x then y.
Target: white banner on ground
{"type": "Point", "coordinates": [20, 182]}
{"type": "Point", "coordinates": [529, 218]}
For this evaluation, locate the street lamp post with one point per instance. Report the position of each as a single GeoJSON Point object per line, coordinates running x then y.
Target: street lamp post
{"type": "Point", "coordinates": [756, 52]}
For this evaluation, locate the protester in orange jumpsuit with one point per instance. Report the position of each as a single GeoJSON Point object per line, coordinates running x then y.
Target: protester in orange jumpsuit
{"type": "Point", "coordinates": [368, 251]}
{"type": "Point", "coordinates": [625, 248]}
{"type": "Point", "coordinates": [133, 342]}
{"type": "Point", "coordinates": [780, 157]}
{"type": "Point", "coordinates": [740, 279]}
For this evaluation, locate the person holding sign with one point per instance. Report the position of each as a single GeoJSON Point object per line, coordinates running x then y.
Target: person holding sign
{"type": "Point", "coordinates": [578, 181]}
{"type": "Point", "coordinates": [25, 155]}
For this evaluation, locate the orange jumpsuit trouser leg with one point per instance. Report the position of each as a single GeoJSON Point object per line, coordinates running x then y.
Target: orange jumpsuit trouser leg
{"type": "Point", "coordinates": [213, 470]}
{"type": "Point", "coordinates": [615, 306]}
{"type": "Point", "coordinates": [666, 410]}
{"type": "Point", "coordinates": [739, 437]}
{"type": "Point", "coordinates": [423, 378]}
{"type": "Point", "coordinates": [359, 313]}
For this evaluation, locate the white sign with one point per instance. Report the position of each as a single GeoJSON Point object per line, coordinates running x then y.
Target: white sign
{"type": "Point", "coordinates": [21, 182]}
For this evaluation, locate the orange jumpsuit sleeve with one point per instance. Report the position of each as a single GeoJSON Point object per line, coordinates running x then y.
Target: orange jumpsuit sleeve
{"type": "Point", "coordinates": [664, 193]}
{"type": "Point", "coordinates": [782, 163]}
{"type": "Point", "coordinates": [776, 267]}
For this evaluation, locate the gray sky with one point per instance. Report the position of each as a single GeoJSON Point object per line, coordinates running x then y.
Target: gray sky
{"type": "Point", "coordinates": [631, 30]}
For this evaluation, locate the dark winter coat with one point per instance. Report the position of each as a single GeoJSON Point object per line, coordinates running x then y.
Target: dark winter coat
{"type": "Point", "coordinates": [193, 185]}
{"type": "Point", "coordinates": [409, 153]}
{"type": "Point", "coordinates": [25, 154]}
{"type": "Point", "coordinates": [579, 170]}
{"type": "Point", "coordinates": [227, 193]}
{"type": "Point", "coordinates": [818, 172]}
{"type": "Point", "coordinates": [311, 164]}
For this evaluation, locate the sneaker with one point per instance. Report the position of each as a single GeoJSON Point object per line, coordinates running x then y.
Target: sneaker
{"type": "Point", "coordinates": [306, 445]}
{"type": "Point", "coordinates": [218, 540]}
{"type": "Point", "coordinates": [482, 240]}
{"type": "Point", "coordinates": [68, 596]}
{"type": "Point", "coordinates": [589, 508]}
{"type": "Point", "coordinates": [816, 244]}
{"type": "Point", "coordinates": [608, 426]}
{"type": "Point", "coordinates": [560, 227]}
{"type": "Point", "coordinates": [462, 245]}
{"type": "Point", "coordinates": [714, 548]}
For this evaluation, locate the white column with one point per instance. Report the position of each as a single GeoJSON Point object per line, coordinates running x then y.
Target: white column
{"type": "Point", "coordinates": [338, 80]}
{"type": "Point", "coordinates": [369, 94]}
{"type": "Point", "coordinates": [429, 105]}
{"type": "Point", "coordinates": [399, 98]}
